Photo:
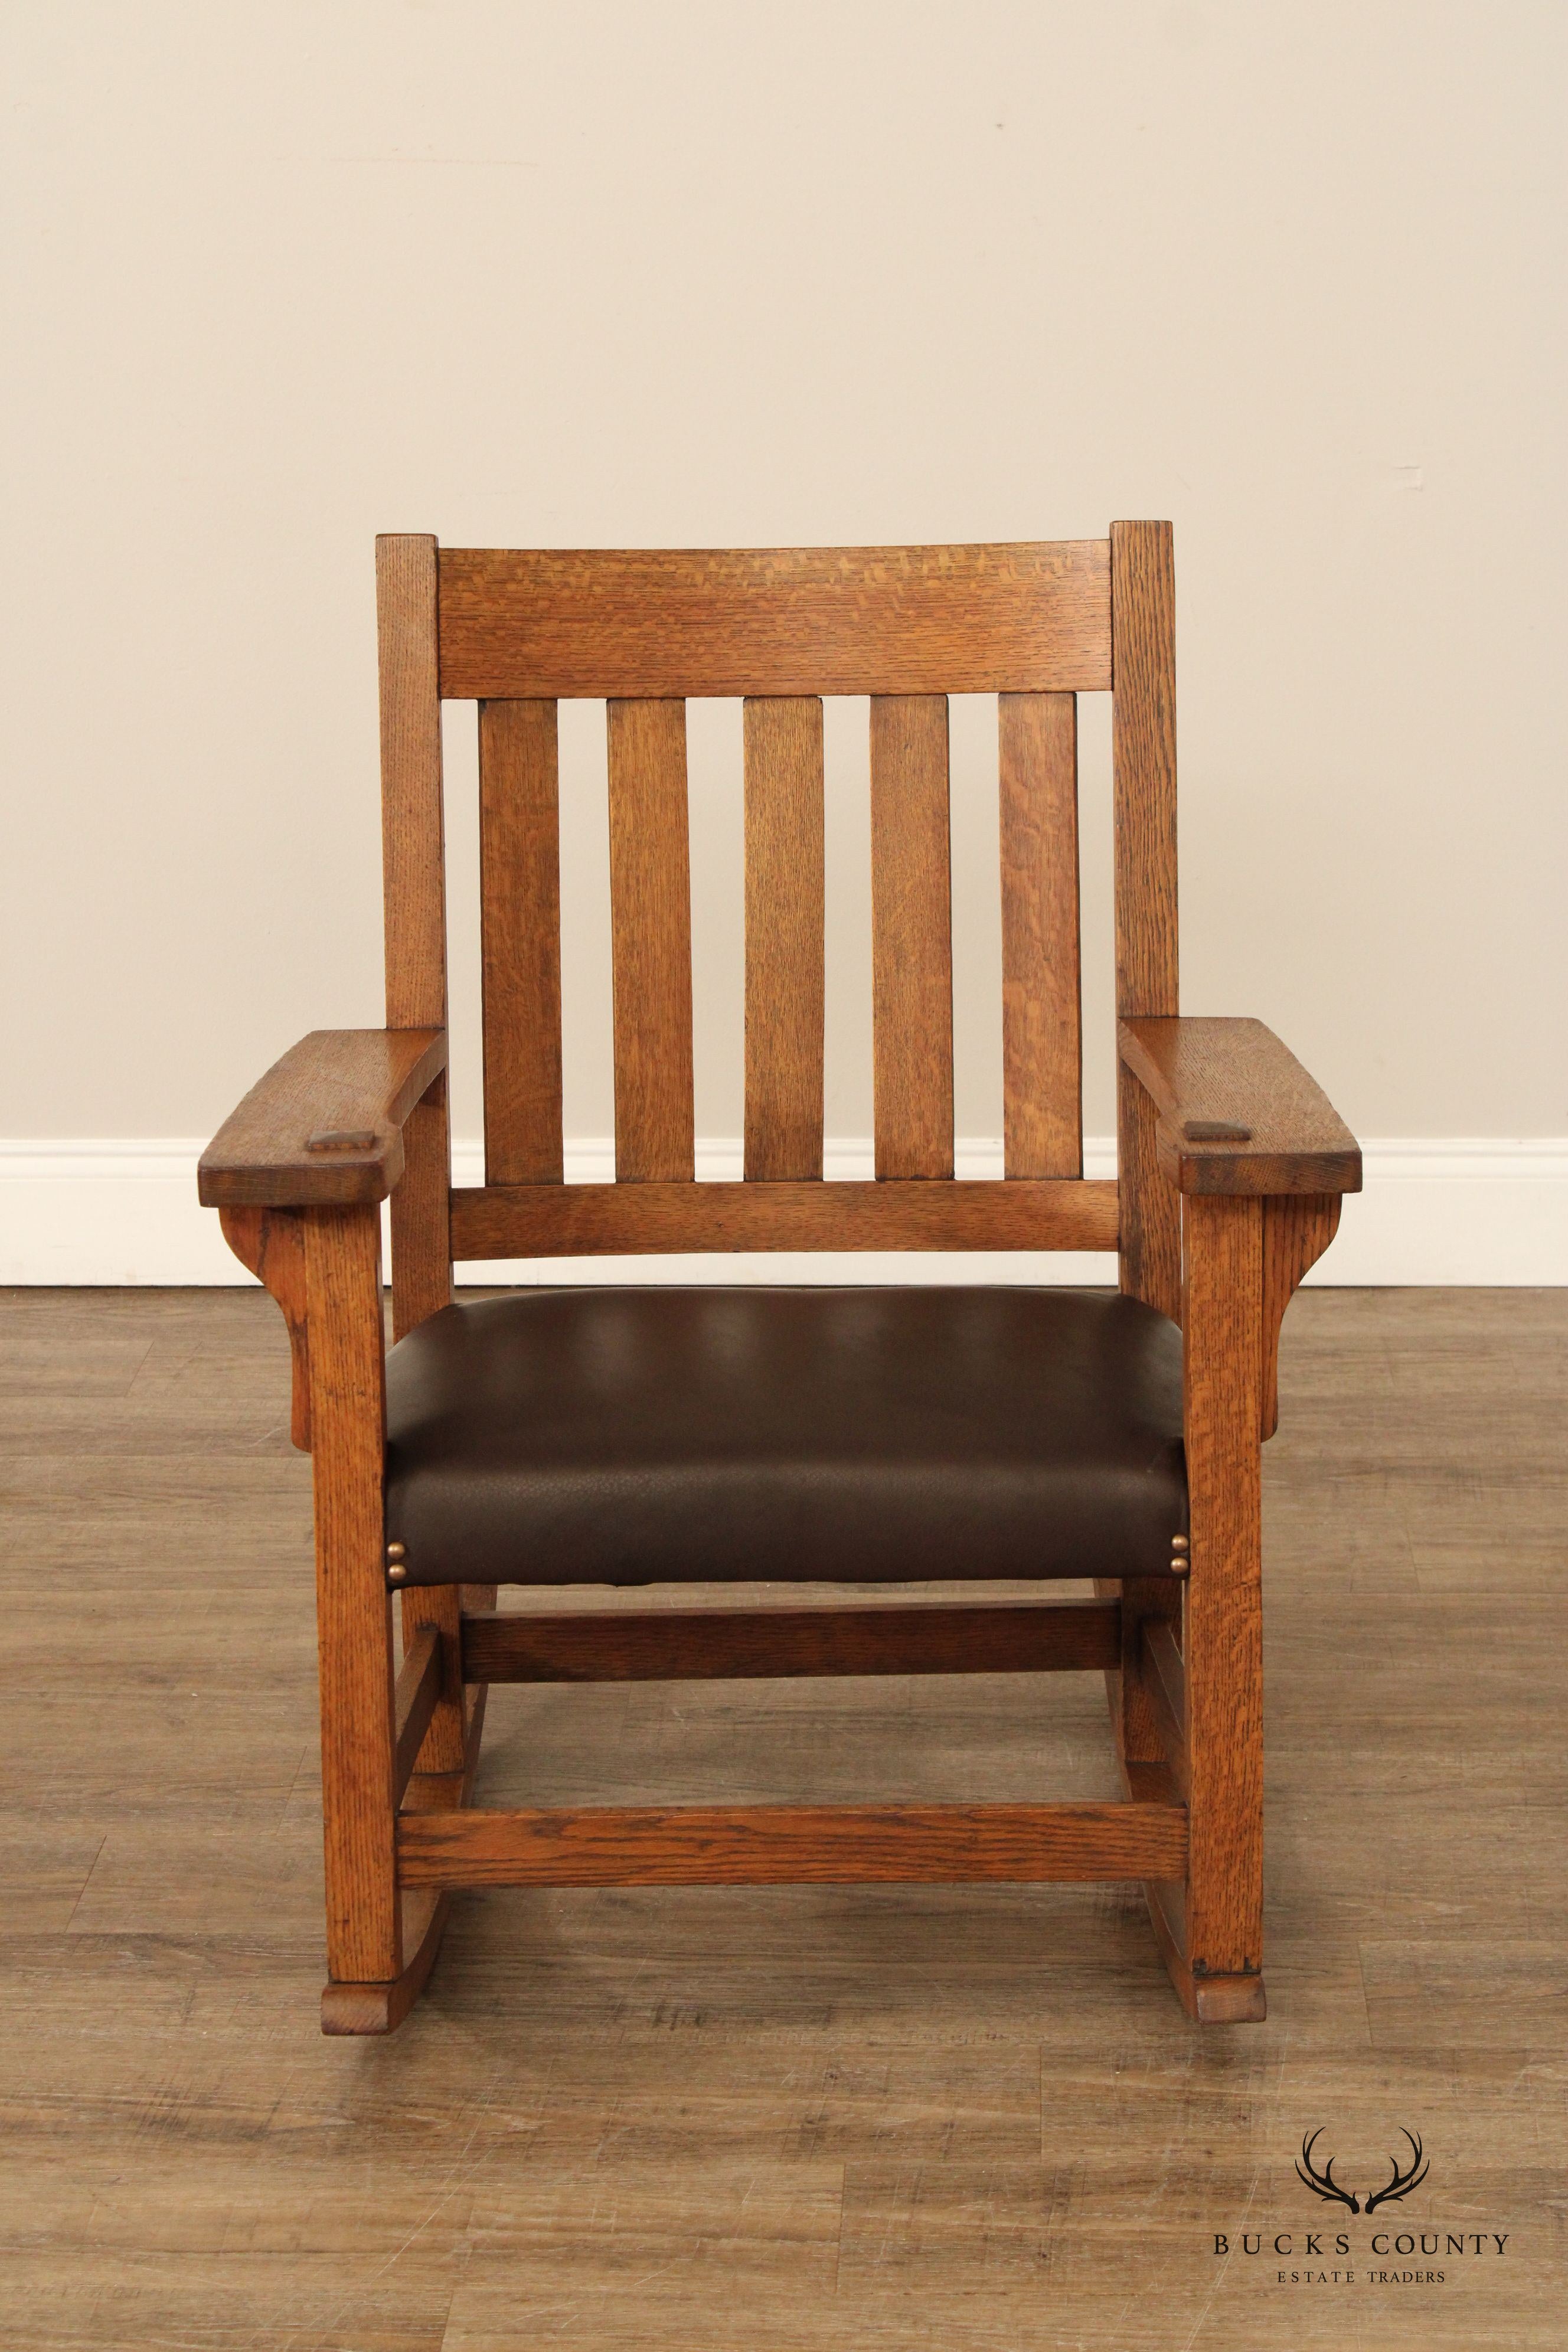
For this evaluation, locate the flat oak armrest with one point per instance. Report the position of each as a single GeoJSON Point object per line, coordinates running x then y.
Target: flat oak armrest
{"type": "Point", "coordinates": [1237, 1112]}
{"type": "Point", "coordinates": [324, 1128]}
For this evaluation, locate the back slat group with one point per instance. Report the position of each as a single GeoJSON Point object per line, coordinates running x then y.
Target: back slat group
{"type": "Point", "coordinates": [912, 937]}
{"type": "Point", "coordinates": [646, 629]}
{"type": "Point", "coordinates": [650, 917]}
{"type": "Point", "coordinates": [784, 944]}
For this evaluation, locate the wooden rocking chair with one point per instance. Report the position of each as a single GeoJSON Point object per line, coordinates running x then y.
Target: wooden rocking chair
{"type": "Point", "coordinates": [630, 1436]}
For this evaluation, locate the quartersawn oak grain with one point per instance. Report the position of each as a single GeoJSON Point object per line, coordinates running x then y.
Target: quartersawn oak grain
{"type": "Point", "coordinates": [1042, 1061]}
{"type": "Point", "coordinates": [554, 623]}
{"type": "Point", "coordinates": [353, 1616]}
{"type": "Point", "coordinates": [1149, 1204]}
{"type": "Point", "coordinates": [421, 1217]}
{"type": "Point", "coordinates": [520, 921]}
{"type": "Point", "coordinates": [1143, 765]}
{"type": "Point", "coordinates": [412, 816]}
{"type": "Point", "coordinates": [271, 1244]}
{"type": "Point", "coordinates": [1208, 1074]}
{"type": "Point", "coordinates": [1144, 762]}
{"type": "Point", "coordinates": [1222, 1315]}
{"type": "Point", "coordinates": [912, 938]}
{"type": "Point", "coordinates": [650, 914]}
{"type": "Point", "coordinates": [350, 1080]}
{"type": "Point", "coordinates": [414, 893]}
{"type": "Point", "coordinates": [783, 1845]}
{"type": "Point", "coordinates": [1297, 1230]}
{"type": "Point", "coordinates": [616, 1220]}
{"type": "Point", "coordinates": [785, 1004]}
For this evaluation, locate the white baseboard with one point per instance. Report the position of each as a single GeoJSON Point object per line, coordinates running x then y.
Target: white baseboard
{"type": "Point", "coordinates": [1467, 1210]}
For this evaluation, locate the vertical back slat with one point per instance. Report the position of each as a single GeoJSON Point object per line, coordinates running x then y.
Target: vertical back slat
{"type": "Point", "coordinates": [785, 987]}
{"type": "Point", "coordinates": [520, 900]}
{"type": "Point", "coordinates": [1144, 750]}
{"type": "Point", "coordinates": [1042, 1057]}
{"type": "Point", "coordinates": [414, 885]}
{"type": "Point", "coordinates": [912, 935]}
{"type": "Point", "coordinates": [650, 914]}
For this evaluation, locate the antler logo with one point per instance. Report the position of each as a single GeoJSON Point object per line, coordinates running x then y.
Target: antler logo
{"type": "Point", "coordinates": [1402, 2182]}
{"type": "Point", "coordinates": [1323, 2184]}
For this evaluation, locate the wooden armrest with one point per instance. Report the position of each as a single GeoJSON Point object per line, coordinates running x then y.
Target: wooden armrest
{"type": "Point", "coordinates": [323, 1128]}
{"type": "Point", "coordinates": [1237, 1113]}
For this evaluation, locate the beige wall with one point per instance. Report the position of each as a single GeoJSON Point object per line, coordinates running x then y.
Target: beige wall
{"type": "Point", "coordinates": [285, 275]}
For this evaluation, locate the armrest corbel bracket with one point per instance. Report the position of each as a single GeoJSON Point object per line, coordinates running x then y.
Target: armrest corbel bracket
{"type": "Point", "coordinates": [1297, 1229]}
{"type": "Point", "coordinates": [1236, 1114]}
{"type": "Point", "coordinates": [271, 1244]}
{"type": "Point", "coordinates": [322, 1129]}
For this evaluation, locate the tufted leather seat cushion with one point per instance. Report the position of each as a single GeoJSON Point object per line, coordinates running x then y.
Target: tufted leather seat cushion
{"type": "Point", "coordinates": [636, 1436]}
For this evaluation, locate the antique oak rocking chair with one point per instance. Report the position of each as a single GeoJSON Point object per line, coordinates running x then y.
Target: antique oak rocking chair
{"type": "Point", "coordinates": [632, 1436]}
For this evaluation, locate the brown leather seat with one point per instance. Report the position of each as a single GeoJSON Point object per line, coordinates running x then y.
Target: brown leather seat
{"type": "Point", "coordinates": [636, 1436]}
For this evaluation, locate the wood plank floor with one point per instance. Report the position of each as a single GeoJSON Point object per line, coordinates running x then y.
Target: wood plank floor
{"type": "Point", "coordinates": [787, 2119]}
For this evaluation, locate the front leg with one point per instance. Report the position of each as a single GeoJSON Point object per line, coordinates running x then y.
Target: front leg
{"type": "Point", "coordinates": [1218, 1939]}
{"type": "Point", "coordinates": [353, 1607]}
